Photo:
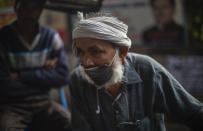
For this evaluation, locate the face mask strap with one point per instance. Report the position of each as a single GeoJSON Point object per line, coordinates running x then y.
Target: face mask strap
{"type": "Point", "coordinates": [116, 52]}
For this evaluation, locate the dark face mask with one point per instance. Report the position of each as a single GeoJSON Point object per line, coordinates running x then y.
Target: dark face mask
{"type": "Point", "coordinates": [100, 74]}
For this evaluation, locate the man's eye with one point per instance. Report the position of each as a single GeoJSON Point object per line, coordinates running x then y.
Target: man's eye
{"type": "Point", "coordinates": [96, 52]}
{"type": "Point", "coordinates": [79, 52]}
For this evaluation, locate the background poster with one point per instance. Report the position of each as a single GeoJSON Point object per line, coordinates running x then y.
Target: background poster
{"type": "Point", "coordinates": [137, 14]}
{"type": "Point", "coordinates": [188, 70]}
{"type": "Point", "coordinates": [7, 14]}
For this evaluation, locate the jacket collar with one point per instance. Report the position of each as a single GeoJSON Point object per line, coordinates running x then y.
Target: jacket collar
{"type": "Point", "coordinates": [130, 74]}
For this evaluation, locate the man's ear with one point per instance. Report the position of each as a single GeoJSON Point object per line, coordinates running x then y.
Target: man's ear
{"type": "Point", "coordinates": [123, 50]}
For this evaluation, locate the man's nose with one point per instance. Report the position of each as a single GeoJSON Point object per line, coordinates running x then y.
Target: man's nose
{"type": "Point", "coordinates": [87, 61]}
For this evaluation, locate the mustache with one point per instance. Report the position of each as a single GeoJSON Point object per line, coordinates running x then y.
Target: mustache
{"type": "Point", "coordinates": [91, 66]}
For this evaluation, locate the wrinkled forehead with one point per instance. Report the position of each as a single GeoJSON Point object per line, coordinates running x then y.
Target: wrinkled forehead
{"type": "Point", "coordinates": [87, 42]}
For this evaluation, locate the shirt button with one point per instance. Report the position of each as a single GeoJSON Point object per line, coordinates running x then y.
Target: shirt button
{"type": "Point", "coordinates": [138, 123]}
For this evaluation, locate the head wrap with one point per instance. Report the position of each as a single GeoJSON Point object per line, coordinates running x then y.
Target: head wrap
{"type": "Point", "coordinates": [105, 28]}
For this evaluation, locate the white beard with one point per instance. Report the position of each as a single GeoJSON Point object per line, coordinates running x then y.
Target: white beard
{"type": "Point", "coordinates": [117, 76]}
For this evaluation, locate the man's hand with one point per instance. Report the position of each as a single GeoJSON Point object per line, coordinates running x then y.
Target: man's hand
{"type": "Point", "coordinates": [51, 63]}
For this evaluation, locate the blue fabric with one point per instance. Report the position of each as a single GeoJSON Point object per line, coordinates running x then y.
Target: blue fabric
{"type": "Point", "coordinates": [148, 92]}
{"type": "Point", "coordinates": [63, 98]}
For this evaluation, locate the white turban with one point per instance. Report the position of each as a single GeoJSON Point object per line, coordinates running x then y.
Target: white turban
{"type": "Point", "coordinates": [104, 28]}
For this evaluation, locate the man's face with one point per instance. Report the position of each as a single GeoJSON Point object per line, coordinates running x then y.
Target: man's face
{"type": "Point", "coordinates": [163, 11]}
{"type": "Point", "coordinates": [28, 12]}
{"type": "Point", "coordinates": [94, 52]}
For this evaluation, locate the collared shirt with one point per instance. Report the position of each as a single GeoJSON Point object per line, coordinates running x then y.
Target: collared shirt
{"type": "Point", "coordinates": [147, 93]}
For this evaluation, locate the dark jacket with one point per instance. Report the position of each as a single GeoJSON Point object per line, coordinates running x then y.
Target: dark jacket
{"type": "Point", "coordinates": [148, 92]}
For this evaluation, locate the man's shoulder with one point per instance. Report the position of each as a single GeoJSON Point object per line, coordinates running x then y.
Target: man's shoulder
{"type": "Point", "coordinates": [46, 29]}
{"type": "Point", "coordinates": [47, 33]}
{"type": "Point", "coordinates": [150, 29]}
{"type": "Point", "coordinates": [141, 61]}
{"type": "Point", "coordinates": [6, 32]}
{"type": "Point", "coordinates": [138, 58]}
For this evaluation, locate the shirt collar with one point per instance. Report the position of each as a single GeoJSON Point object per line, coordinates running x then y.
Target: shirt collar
{"type": "Point", "coordinates": [33, 44]}
{"type": "Point", "coordinates": [130, 74]}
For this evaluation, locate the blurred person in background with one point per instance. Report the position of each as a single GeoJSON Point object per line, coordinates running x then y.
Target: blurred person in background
{"type": "Point", "coordinates": [166, 32]}
{"type": "Point", "coordinates": [115, 90]}
{"type": "Point", "coordinates": [32, 61]}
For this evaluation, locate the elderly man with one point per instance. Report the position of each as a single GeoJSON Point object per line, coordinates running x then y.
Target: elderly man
{"type": "Point", "coordinates": [114, 90]}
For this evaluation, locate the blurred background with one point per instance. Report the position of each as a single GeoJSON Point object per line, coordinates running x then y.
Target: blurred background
{"type": "Point", "coordinates": [178, 47]}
